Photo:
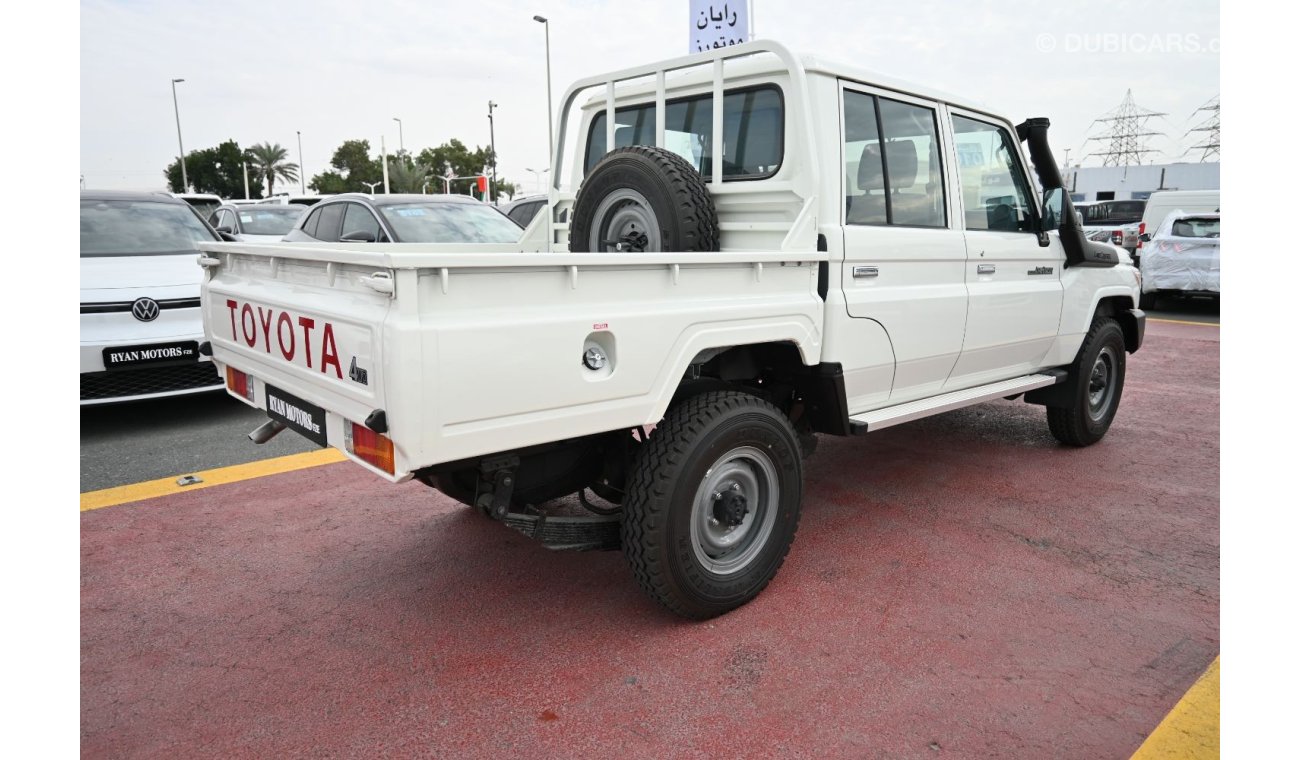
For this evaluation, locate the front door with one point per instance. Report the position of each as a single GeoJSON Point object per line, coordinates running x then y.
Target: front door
{"type": "Point", "coordinates": [1014, 283]}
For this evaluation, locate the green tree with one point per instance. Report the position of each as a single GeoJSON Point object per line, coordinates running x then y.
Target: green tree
{"type": "Point", "coordinates": [272, 164]}
{"type": "Point", "coordinates": [457, 157]}
{"type": "Point", "coordinates": [406, 175]}
{"type": "Point", "coordinates": [218, 170]}
{"type": "Point", "coordinates": [352, 166]}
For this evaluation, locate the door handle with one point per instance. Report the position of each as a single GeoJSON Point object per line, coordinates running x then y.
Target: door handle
{"type": "Point", "coordinates": [986, 269]}
{"type": "Point", "coordinates": [866, 271]}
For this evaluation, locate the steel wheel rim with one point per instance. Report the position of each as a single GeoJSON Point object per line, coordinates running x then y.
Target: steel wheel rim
{"type": "Point", "coordinates": [624, 221]}
{"type": "Point", "coordinates": [724, 549]}
{"type": "Point", "coordinates": [1101, 383]}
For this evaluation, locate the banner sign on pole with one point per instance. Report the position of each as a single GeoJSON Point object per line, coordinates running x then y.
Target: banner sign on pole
{"type": "Point", "coordinates": [718, 24]}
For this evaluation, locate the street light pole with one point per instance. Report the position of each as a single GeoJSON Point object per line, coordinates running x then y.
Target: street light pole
{"type": "Point", "coordinates": [185, 179]}
{"type": "Point", "coordinates": [550, 135]}
{"type": "Point", "coordinates": [401, 143]}
{"type": "Point", "coordinates": [492, 135]}
{"type": "Point", "coordinates": [302, 170]}
{"type": "Point", "coordinates": [537, 177]}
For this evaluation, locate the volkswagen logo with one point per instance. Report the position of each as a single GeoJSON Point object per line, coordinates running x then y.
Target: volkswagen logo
{"type": "Point", "coordinates": [145, 309]}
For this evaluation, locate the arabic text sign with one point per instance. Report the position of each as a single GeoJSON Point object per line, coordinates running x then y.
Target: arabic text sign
{"type": "Point", "coordinates": [718, 24]}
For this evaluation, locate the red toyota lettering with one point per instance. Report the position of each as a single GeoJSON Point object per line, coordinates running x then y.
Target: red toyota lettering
{"type": "Point", "coordinates": [307, 324]}
{"type": "Point", "coordinates": [280, 323]}
{"type": "Point", "coordinates": [249, 323]}
{"type": "Point", "coordinates": [329, 354]}
{"type": "Point", "coordinates": [266, 326]}
{"type": "Point", "coordinates": [232, 304]}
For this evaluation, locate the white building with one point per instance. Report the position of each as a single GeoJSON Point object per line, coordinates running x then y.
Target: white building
{"type": "Point", "coordinates": [1105, 183]}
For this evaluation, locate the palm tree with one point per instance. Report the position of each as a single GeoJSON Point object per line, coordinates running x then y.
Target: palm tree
{"type": "Point", "coordinates": [271, 164]}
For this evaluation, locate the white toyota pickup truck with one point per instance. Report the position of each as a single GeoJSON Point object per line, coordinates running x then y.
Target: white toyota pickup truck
{"type": "Point", "coordinates": [758, 247]}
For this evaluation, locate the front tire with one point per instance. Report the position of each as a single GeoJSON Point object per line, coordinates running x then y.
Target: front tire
{"type": "Point", "coordinates": [713, 503]}
{"type": "Point", "coordinates": [1099, 374]}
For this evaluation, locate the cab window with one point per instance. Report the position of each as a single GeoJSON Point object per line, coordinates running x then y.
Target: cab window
{"type": "Point", "coordinates": [993, 185]}
{"type": "Point", "coordinates": [893, 173]}
{"type": "Point", "coordinates": [358, 218]}
{"type": "Point", "coordinates": [753, 132]}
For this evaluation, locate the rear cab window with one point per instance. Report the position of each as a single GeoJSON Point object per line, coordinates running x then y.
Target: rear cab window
{"type": "Point", "coordinates": [753, 131]}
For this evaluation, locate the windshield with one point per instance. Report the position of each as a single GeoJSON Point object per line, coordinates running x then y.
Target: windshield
{"type": "Point", "coordinates": [139, 228]}
{"type": "Point", "coordinates": [449, 222]}
{"type": "Point", "coordinates": [270, 220]}
{"type": "Point", "coordinates": [1196, 228]}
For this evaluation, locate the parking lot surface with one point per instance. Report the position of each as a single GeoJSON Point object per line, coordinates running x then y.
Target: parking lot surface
{"type": "Point", "coordinates": [960, 584]}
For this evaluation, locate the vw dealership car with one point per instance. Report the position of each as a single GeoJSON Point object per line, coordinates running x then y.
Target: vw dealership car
{"type": "Point", "coordinates": [359, 218]}
{"type": "Point", "coordinates": [260, 223]}
{"type": "Point", "coordinates": [140, 318]}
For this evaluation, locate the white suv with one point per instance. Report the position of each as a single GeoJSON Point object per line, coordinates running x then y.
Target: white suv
{"type": "Point", "coordinates": [140, 318]}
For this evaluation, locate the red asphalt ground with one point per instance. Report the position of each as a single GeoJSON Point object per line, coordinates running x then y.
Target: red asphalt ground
{"type": "Point", "coordinates": [958, 585]}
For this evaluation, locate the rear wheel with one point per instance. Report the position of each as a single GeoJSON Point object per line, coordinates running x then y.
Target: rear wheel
{"type": "Point", "coordinates": [713, 503]}
{"type": "Point", "coordinates": [1098, 373]}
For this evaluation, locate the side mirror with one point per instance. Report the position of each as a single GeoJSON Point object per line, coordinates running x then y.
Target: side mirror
{"type": "Point", "coordinates": [226, 229]}
{"type": "Point", "coordinates": [358, 236]}
{"type": "Point", "coordinates": [1146, 237]}
{"type": "Point", "coordinates": [226, 236]}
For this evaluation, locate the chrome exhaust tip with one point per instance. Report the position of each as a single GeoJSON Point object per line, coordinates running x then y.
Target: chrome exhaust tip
{"type": "Point", "coordinates": [266, 431]}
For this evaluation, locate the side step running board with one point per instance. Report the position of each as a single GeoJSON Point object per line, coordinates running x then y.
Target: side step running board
{"type": "Point", "coordinates": [914, 410]}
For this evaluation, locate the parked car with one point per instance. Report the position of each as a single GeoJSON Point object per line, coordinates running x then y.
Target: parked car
{"type": "Point", "coordinates": [259, 223]}
{"type": "Point", "coordinates": [358, 218]}
{"type": "Point", "coordinates": [1114, 222]}
{"type": "Point", "coordinates": [1182, 258]}
{"type": "Point", "coordinates": [522, 210]}
{"type": "Point", "coordinates": [204, 202]}
{"type": "Point", "coordinates": [1161, 204]}
{"type": "Point", "coordinates": [140, 317]}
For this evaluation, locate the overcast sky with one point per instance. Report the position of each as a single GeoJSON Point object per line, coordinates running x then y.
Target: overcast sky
{"type": "Point", "coordinates": [261, 71]}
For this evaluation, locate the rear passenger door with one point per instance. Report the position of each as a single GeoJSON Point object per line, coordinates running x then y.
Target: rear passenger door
{"type": "Point", "coordinates": [905, 258]}
{"type": "Point", "coordinates": [1014, 283]}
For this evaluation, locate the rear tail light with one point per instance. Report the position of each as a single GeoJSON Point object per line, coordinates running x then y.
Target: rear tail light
{"type": "Point", "coordinates": [239, 383]}
{"type": "Point", "coordinates": [1142, 230]}
{"type": "Point", "coordinates": [1117, 237]}
{"type": "Point", "coordinates": [369, 446]}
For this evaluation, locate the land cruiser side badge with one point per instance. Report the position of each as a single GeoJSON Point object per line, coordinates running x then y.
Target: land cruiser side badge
{"type": "Point", "coordinates": [358, 374]}
{"type": "Point", "coordinates": [1035, 270]}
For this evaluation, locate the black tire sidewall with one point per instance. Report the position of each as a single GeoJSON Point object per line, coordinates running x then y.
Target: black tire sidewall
{"type": "Point", "coordinates": [634, 173]}
{"type": "Point", "coordinates": [742, 427]}
{"type": "Point", "coordinates": [1110, 334]}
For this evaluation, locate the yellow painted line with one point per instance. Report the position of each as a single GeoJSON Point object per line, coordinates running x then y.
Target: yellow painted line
{"type": "Point", "coordinates": [1183, 322]}
{"type": "Point", "coordinates": [1191, 730]}
{"type": "Point", "coordinates": [220, 476]}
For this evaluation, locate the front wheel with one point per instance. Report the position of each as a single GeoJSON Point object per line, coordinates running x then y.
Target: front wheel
{"type": "Point", "coordinates": [1098, 373]}
{"type": "Point", "coordinates": [713, 503]}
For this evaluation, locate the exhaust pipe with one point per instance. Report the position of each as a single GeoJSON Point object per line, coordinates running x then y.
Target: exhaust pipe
{"type": "Point", "coordinates": [266, 431]}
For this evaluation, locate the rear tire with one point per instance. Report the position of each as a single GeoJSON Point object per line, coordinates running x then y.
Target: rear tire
{"type": "Point", "coordinates": [1099, 373]}
{"type": "Point", "coordinates": [713, 503]}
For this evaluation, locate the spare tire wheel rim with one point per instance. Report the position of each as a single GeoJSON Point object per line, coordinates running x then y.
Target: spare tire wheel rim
{"type": "Point", "coordinates": [734, 510]}
{"type": "Point", "coordinates": [625, 221]}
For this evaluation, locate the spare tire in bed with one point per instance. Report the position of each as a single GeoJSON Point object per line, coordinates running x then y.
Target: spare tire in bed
{"type": "Point", "coordinates": [642, 198]}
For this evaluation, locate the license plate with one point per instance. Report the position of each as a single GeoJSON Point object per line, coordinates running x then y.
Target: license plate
{"type": "Point", "coordinates": [121, 357]}
{"type": "Point", "coordinates": [303, 417]}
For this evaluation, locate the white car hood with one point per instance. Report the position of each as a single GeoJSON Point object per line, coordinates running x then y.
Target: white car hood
{"type": "Point", "coordinates": [125, 278]}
